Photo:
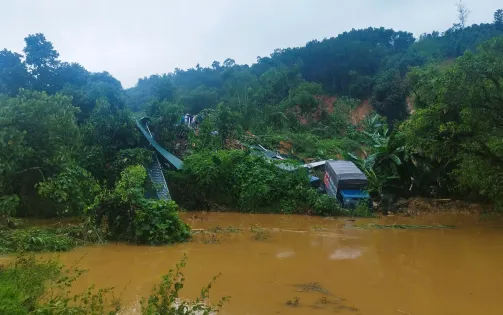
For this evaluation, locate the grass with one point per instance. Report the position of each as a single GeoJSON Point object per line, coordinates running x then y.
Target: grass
{"type": "Point", "coordinates": [362, 210]}
{"type": "Point", "coordinates": [31, 286]}
{"type": "Point", "coordinates": [403, 226]}
{"type": "Point", "coordinates": [215, 234]}
{"type": "Point", "coordinates": [312, 287]}
{"type": "Point", "coordinates": [328, 301]}
{"type": "Point", "coordinates": [210, 238]}
{"type": "Point", "coordinates": [45, 239]}
{"type": "Point", "coordinates": [23, 283]}
{"type": "Point", "coordinates": [259, 233]}
{"type": "Point", "coordinates": [219, 229]}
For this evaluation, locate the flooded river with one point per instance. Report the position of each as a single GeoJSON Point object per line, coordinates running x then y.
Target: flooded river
{"type": "Point", "coordinates": [322, 266]}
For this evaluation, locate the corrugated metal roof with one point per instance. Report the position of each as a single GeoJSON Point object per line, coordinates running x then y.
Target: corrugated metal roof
{"type": "Point", "coordinates": [344, 167]}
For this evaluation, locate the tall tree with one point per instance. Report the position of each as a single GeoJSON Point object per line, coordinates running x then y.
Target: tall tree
{"type": "Point", "coordinates": [215, 65]}
{"type": "Point", "coordinates": [461, 124]}
{"type": "Point", "coordinates": [498, 18]}
{"type": "Point", "coordinates": [42, 59]}
{"type": "Point", "coordinates": [228, 63]}
{"type": "Point", "coordinates": [13, 73]}
{"type": "Point", "coordinates": [389, 96]}
{"type": "Point", "coordinates": [463, 13]}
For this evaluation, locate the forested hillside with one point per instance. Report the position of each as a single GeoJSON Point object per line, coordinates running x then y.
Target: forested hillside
{"type": "Point", "coordinates": [350, 64]}
{"type": "Point", "coordinates": [69, 144]}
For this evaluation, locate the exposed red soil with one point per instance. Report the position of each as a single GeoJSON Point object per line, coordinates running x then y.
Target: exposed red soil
{"type": "Point", "coordinates": [416, 206]}
{"type": "Point", "coordinates": [360, 112]}
{"type": "Point", "coordinates": [327, 104]}
{"type": "Point", "coordinates": [285, 147]}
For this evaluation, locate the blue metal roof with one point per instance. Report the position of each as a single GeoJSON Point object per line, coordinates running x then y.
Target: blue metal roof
{"type": "Point", "coordinates": [357, 194]}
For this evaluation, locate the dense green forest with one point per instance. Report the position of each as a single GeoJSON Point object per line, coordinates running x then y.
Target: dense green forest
{"type": "Point", "coordinates": [431, 125]}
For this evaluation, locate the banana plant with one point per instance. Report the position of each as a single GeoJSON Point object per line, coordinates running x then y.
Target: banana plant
{"type": "Point", "coordinates": [380, 164]}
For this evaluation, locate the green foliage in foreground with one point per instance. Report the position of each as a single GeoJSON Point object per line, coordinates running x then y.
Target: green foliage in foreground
{"type": "Point", "coordinates": [165, 297]}
{"type": "Point", "coordinates": [30, 286]}
{"type": "Point", "coordinates": [46, 239]}
{"type": "Point", "coordinates": [460, 124]}
{"type": "Point", "coordinates": [124, 213]}
{"type": "Point", "coordinates": [238, 180]}
{"type": "Point", "coordinates": [22, 283]}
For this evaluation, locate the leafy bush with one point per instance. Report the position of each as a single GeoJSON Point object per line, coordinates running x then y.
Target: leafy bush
{"type": "Point", "coordinates": [107, 131]}
{"type": "Point", "coordinates": [49, 239]}
{"type": "Point", "coordinates": [8, 206]}
{"type": "Point", "coordinates": [124, 213]}
{"type": "Point", "coordinates": [41, 287]}
{"type": "Point", "coordinates": [129, 157]}
{"type": "Point", "coordinates": [157, 222]}
{"type": "Point", "coordinates": [165, 298]}
{"type": "Point", "coordinates": [30, 286]}
{"type": "Point", "coordinates": [362, 209]}
{"type": "Point", "coordinates": [236, 179]}
{"type": "Point", "coordinates": [72, 190]}
{"type": "Point", "coordinates": [165, 122]}
{"type": "Point", "coordinates": [23, 283]}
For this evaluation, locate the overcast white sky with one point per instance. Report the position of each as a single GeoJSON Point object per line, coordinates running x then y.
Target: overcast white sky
{"type": "Point", "coordinates": [132, 39]}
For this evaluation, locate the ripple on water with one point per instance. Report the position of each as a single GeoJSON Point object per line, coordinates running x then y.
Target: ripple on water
{"type": "Point", "coordinates": [346, 253]}
{"type": "Point", "coordinates": [286, 254]}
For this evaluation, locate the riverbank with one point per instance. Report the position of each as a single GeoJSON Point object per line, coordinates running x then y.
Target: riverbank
{"type": "Point", "coordinates": [421, 206]}
{"type": "Point", "coordinates": [36, 235]}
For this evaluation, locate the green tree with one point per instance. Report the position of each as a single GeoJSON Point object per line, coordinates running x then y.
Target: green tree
{"type": "Point", "coordinates": [215, 65]}
{"type": "Point", "coordinates": [72, 190]}
{"type": "Point", "coordinates": [498, 18]}
{"type": "Point", "coordinates": [198, 99]}
{"type": "Point", "coordinates": [229, 63]}
{"type": "Point", "coordinates": [226, 123]}
{"type": "Point", "coordinates": [123, 213]}
{"type": "Point", "coordinates": [38, 134]}
{"type": "Point", "coordinates": [107, 131]}
{"type": "Point", "coordinates": [304, 96]}
{"type": "Point", "coordinates": [165, 121]}
{"type": "Point", "coordinates": [42, 59]}
{"type": "Point", "coordinates": [389, 97]}
{"type": "Point", "coordinates": [47, 125]}
{"type": "Point", "coordinates": [13, 73]}
{"type": "Point", "coordinates": [461, 124]}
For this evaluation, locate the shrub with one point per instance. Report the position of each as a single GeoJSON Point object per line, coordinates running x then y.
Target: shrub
{"type": "Point", "coordinates": [31, 286]}
{"type": "Point", "coordinates": [8, 207]}
{"type": "Point", "coordinates": [125, 214]}
{"type": "Point", "coordinates": [157, 222]}
{"type": "Point", "coordinates": [363, 210]}
{"type": "Point", "coordinates": [72, 190]}
{"type": "Point", "coordinates": [236, 179]}
{"type": "Point", "coordinates": [41, 287]}
{"type": "Point", "coordinates": [165, 298]}
{"type": "Point", "coordinates": [49, 239]}
{"type": "Point", "coordinates": [23, 283]}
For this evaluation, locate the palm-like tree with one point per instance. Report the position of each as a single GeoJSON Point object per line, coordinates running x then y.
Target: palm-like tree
{"type": "Point", "coordinates": [381, 163]}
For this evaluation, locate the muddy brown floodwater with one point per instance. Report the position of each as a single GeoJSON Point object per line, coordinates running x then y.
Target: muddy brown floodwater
{"type": "Point", "coordinates": [322, 266]}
